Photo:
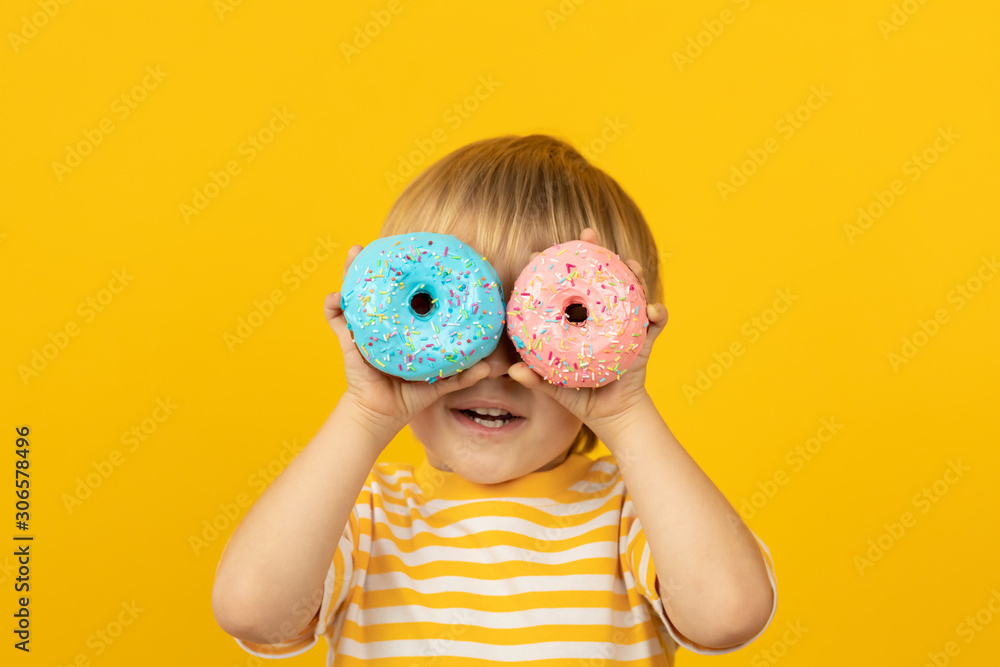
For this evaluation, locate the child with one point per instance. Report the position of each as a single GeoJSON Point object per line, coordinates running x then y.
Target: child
{"type": "Point", "coordinates": [506, 545]}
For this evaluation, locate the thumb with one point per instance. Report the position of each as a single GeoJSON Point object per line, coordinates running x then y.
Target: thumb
{"type": "Point", "coordinates": [335, 318]}
{"type": "Point", "coordinates": [461, 380]}
{"type": "Point", "coordinates": [528, 378]}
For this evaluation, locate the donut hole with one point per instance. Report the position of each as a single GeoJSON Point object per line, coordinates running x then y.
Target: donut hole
{"type": "Point", "coordinates": [421, 303]}
{"type": "Point", "coordinates": [576, 313]}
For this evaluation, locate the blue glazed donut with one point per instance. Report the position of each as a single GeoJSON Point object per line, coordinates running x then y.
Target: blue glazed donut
{"type": "Point", "coordinates": [423, 306]}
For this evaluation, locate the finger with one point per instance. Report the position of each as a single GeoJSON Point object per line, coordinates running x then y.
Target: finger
{"type": "Point", "coordinates": [331, 304]}
{"type": "Point", "coordinates": [640, 275]}
{"type": "Point", "coordinates": [657, 314]}
{"type": "Point", "coordinates": [335, 318]}
{"type": "Point", "coordinates": [589, 235]}
{"type": "Point", "coordinates": [352, 252]}
{"type": "Point", "coordinates": [532, 380]}
{"type": "Point", "coordinates": [462, 380]}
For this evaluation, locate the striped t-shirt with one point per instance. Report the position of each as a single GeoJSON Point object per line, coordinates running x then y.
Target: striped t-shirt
{"type": "Point", "coordinates": [551, 569]}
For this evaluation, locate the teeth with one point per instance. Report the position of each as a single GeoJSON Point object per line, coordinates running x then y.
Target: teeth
{"type": "Point", "coordinates": [492, 412]}
{"type": "Point", "coordinates": [492, 423]}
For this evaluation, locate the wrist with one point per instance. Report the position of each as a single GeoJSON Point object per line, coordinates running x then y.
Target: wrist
{"type": "Point", "coordinates": [379, 428]}
{"type": "Point", "coordinates": [616, 428]}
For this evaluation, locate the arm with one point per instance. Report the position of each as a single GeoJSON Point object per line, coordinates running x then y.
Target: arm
{"type": "Point", "coordinates": [275, 564]}
{"type": "Point", "coordinates": [277, 559]}
{"type": "Point", "coordinates": [720, 594]}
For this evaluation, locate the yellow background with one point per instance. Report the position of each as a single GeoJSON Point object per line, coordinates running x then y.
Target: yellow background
{"type": "Point", "coordinates": [683, 129]}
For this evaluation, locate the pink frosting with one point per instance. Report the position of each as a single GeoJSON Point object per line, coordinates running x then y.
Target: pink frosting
{"type": "Point", "coordinates": [592, 353]}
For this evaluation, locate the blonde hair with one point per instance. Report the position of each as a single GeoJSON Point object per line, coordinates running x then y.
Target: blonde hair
{"type": "Point", "coordinates": [513, 196]}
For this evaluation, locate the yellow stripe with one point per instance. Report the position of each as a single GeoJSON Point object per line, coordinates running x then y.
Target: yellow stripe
{"type": "Point", "coordinates": [497, 603]}
{"type": "Point", "coordinates": [592, 477]}
{"type": "Point", "coordinates": [490, 571]}
{"type": "Point", "coordinates": [403, 522]}
{"type": "Point", "coordinates": [494, 538]}
{"type": "Point", "coordinates": [448, 516]}
{"type": "Point", "coordinates": [494, 636]}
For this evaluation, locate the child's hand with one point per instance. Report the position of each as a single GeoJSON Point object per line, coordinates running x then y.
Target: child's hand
{"type": "Point", "coordinates": [387, 403]}
{"type": "Point", "coordinates": [604, 407]}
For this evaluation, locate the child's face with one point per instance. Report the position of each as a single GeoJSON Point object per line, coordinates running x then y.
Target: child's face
{"type": "Point", "coordinates": [537, 439]}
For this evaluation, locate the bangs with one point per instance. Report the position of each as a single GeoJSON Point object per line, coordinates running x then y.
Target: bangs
{"type": "Point", "coordinates": [509, 197]}
{"type": "Point", "coordinates": [505, 238]}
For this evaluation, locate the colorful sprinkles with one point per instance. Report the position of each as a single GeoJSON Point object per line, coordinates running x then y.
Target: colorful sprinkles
{"type": "Point", "coordinates": [463, 291]}
{"type": "Point", "coordinates": [590, 353]}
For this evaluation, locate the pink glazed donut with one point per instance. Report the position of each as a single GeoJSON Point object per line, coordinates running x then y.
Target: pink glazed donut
{"type": "Point", "coordinates": [577, 315]}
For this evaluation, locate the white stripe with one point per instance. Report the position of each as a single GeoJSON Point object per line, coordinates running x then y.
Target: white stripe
{"type": "Point", "coordinates": [405, 648]}
{"type": "Point", "coordinates": [413, 487]}
{"type": "Point", "coordinates": [600, 616]}
{"type": "Point", "coordinates": [387, 581]}
{"type": "Point", "coordinates": [606, 467]}
{"type": "Point", "coordinates": [346, 546]}
{"type": "Point", "coordinates": [643, 574]}
{"type": "Point", "coordinates": [590, 486]}
{"type": "Point", "coordinates": [404, 500]}
{"type": "Point", "coordinates": [407, 481]}
{"type": "Point", "coordinates": [478, 524]}
{"type": "Point", "coordinates": [404, 471]}
{"type": "Point", "coordinates": [551, 507]}
{"type": "Point", "coordinates": [636, 522]}
{"type": "Point", "coordinates": [312, 642]}
{"type": "Point", "coordinates": [407, 472]}
{"type": "Point", "coordinates": [628, 509]}
{"type": "Point", "coordinates": [493, 554]}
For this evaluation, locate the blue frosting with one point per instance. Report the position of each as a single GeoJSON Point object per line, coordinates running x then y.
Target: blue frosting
{"type": "Point", "coordinates": [423, 306]}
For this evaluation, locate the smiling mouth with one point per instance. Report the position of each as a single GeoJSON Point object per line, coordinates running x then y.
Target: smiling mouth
{"type": "Point", "coordinates": [489, 417]}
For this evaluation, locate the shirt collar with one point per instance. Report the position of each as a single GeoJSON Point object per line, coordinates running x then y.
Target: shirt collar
{"type": "Point", "coordinates": [538, 484]}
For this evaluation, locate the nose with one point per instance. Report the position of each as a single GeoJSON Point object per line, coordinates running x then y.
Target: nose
{"type": "Point", "coordinates": [502, 357]}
